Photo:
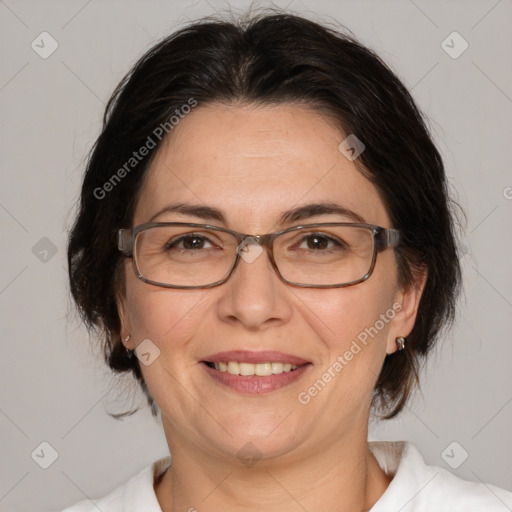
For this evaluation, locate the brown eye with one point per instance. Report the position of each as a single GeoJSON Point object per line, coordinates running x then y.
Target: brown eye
{"type": "Point", "coordinates": [193, 242]}
{"type": "Point", "coordinates": [189, 243]}
{"type": "Point", "coordinates": [317, 242]}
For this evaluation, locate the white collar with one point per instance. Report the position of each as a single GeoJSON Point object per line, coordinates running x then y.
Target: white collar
{"type": "Point", "coordinates": [415, 487]}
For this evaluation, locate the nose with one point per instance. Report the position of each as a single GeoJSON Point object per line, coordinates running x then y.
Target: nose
{"type": "Point", "coordinates": [254, 296]}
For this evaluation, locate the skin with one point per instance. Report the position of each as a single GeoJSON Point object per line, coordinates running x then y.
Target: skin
{"type": "Point", "coordinates": [253, 163]}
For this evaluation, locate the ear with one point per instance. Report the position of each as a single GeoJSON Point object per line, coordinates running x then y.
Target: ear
{"type": "Point", "coordinates": [406, 304]}
{"type": "Point", "coordinates": [124, 320]}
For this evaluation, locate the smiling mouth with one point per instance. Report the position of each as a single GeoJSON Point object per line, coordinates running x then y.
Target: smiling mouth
{"type": "Point", "coordinates": [250, 369]}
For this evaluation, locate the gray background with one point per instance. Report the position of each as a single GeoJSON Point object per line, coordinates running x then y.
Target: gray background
{"type": "Point", "coordinates": [54, 384]}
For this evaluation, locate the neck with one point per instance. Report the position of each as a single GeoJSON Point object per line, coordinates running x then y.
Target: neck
{"type": "Point", "coordinates": [344, 477]}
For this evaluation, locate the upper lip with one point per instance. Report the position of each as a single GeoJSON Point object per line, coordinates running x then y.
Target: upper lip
{"type": "Point", "coordinates": [244, 356]}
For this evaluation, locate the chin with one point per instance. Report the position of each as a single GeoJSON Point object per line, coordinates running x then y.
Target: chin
{"type": "Point", "coordinates": [265, 434]}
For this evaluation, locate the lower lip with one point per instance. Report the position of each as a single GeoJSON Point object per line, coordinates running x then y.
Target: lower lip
{"type": "Point", "coordinates": [253, 384]}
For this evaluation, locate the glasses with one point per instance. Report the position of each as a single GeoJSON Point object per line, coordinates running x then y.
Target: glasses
{"type": "Point", "coordinates": [186, 256]}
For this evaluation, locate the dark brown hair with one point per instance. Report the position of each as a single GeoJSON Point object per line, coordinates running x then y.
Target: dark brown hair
{"type": "Point", "coordinates": [265, 59]}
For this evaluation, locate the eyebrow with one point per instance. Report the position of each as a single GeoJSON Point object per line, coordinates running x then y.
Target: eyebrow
{"type": "Point", "coordinates": [203, 212]}
{"type": "Point", "coordinates": [296, 214]}
{"type": "Point", "coordinates": [315, 209]}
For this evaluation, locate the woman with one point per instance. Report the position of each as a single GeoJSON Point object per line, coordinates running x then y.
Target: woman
{"type": "Point", "coordinates": [265, 240]}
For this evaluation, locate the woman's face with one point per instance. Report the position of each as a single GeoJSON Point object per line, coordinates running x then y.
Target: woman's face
{"type": "Point", "coordinates": [253, 164]}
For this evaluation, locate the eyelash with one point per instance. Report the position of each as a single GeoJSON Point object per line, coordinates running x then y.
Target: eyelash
{"type": "Point", "coordinates": [173, 244]}
{"type": "Point", "coordinates": [337, 243]}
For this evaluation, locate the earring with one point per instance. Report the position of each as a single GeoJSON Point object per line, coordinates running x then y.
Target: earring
{"type": "Point", "coordinates": [129, 353]}
{"type": "Point", "coordinates": [400, 342]}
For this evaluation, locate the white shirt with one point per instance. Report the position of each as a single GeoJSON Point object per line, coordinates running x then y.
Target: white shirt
{"type": "Point", "coordinates": [415, 487]}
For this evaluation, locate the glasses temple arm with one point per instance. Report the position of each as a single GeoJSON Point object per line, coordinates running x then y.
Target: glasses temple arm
{"type": "Point", "coordinates": [387, 238]}
{"type": "Point", "coordinates": [125, 241]}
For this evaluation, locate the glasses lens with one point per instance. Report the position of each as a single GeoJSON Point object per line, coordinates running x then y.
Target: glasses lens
{"type": "Point", "coordinates": [324, 256]}
{"type": "Point", "coordinates": [184, 255]}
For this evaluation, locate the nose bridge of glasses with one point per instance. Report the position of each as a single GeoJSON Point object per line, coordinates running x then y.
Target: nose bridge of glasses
{"type": "Point", "coordinates": [250, 247]}
{"type": "Point", "coordinates": [263, 240]}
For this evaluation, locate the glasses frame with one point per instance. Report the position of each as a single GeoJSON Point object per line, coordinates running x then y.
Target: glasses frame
{"type": "Point", "coordinates": [383, 238]}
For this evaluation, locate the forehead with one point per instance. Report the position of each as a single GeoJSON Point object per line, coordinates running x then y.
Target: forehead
{"type": "Point", "coordinates": [253, 163]}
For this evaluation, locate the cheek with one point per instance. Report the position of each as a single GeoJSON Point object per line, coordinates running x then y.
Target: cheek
{"type": "Point", "coordinates": [163, 315]}
{"type": "Point", "coordinates": [351, 325]}
{"type": "Point", "coordinates": [353, 322]}
{"type": "Point", "coordinates": [340, 316]}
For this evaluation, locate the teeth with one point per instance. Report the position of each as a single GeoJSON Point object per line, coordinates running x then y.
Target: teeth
{"type": "Point", "coordinates": [233, 368]}
{"type": "Point", "coordinates": [277, 368]}
{"type": "Point", "coordinates": [259, 369]}
{"type": "Point", "coordinates": [263, 369]}
{"type": "Point", "coordinates": [245, 368]}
